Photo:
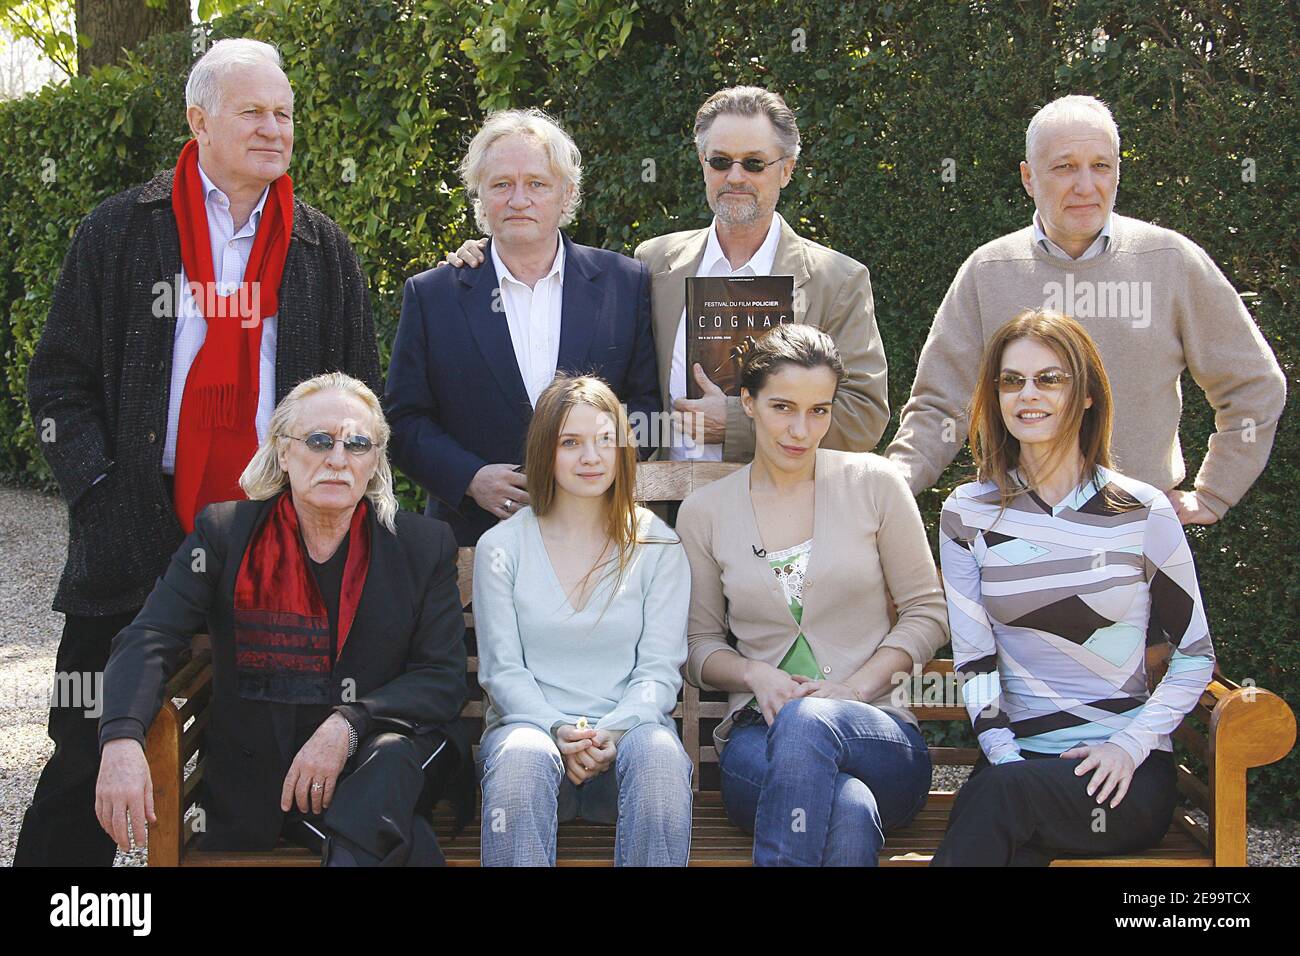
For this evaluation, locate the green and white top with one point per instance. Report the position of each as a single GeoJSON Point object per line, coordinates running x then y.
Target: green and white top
{"type": "Point", "coordinates": [790, 565]}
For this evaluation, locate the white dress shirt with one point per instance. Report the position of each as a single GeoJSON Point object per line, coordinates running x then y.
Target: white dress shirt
{"type": "Point", "coordinates": [1097, 248]}
{"type": "Point", "coordinates": [230, 252]}
{"type": "Point", "coordinates": [713, 264]}
{"type": "Point", "coordinates": [533, 317]}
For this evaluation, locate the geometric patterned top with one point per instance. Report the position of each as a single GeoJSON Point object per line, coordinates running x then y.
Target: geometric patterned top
{"type": "Point", "coordinates": [1052, 609]}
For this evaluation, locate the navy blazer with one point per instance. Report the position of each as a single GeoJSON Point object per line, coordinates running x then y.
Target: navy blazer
{"type": "Point", "coordinates": [456, 399]}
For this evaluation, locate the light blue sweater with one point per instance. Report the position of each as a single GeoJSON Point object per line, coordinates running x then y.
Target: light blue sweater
{"type": "Point", "coordinates": [616, 662]}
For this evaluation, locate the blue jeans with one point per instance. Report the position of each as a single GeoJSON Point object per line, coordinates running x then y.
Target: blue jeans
{"type": "Point", "coordinates": [823, 783]}
{"type": "Point", "coordinates": [526, 795]}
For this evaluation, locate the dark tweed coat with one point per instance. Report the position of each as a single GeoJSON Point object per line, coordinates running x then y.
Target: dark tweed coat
{"type": "Point", "coordinates": [100, 375]}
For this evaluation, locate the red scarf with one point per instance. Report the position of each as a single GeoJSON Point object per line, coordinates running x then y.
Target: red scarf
{"type": "Point", "coordinates": [217, 433]}
{"type": "Point", "coordinates": [282, 628]}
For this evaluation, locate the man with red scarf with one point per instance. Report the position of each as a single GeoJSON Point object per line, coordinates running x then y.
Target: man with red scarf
{"type": "Point", "coordinates": [185, 310]}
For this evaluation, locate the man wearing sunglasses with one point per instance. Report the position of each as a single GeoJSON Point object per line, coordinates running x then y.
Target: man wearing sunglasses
{"type": "Point", "coordinates": [1152, 300]}
{"type": "Point", "coordinates": [185, 307]}
{"type": "Point", "coordinates": [748, 142]}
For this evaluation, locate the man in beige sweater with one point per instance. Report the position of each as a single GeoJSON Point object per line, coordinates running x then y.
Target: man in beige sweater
{"type": "Point", "coordinates": [1153, 300]}
{"type": "Point", "coordinates": [735, 126]}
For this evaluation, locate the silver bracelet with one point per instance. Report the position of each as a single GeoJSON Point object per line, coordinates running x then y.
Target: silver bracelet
{"type": "Point", "coordinates": [352, 738]}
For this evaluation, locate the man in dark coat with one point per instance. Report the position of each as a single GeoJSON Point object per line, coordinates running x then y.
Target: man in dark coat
{"type": "Point", "coordinates": [338, 654]}
{"type": "Point", "coordinates": [123, 345]}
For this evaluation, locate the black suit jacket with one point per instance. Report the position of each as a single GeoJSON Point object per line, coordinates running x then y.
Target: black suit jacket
{"type": "Point", "coordinates": [456, 400]}
{"type": "Point", "coordinates": [404, 660]}
{"type": "Point", "coordinates": [98, 381]}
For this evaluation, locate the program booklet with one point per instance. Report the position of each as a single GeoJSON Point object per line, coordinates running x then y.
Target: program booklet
{"type": "Point", "coordinates": [724, 316]}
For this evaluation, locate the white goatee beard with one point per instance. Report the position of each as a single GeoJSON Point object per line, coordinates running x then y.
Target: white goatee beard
{"type": "Point", "coordinates": [729, 215]}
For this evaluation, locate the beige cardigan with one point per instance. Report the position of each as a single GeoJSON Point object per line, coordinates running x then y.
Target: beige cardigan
{"type": "Point", "coordinates": [868, 544]}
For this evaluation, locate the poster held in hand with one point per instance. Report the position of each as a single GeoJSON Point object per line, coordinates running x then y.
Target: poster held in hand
{"type": "Point", "coordinates": [724, 316]}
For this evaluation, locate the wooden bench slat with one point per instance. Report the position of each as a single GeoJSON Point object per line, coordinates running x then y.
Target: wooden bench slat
{"type": "Point", "coordinates": [1187, 735]}
{"type": "Point", "coordinates": [196, 703]}
{"type": "Point", "coordinates": [954, 756]}
{"type": "Point", "coordinates": [192, 736]}
{"type": "Point", "coordinates": [1191, 787]}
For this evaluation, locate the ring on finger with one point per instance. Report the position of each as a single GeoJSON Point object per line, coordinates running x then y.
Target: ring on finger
{"type": "Point", "coordinates": [317, 787]}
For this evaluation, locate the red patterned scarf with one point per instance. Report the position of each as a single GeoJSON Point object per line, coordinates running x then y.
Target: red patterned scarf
{"type": "Point", "coordinates": [282, 630]}
{"type": "Point", "coordinates": [217, 433]}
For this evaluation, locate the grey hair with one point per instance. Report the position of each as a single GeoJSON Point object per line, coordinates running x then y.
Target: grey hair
{"type": "Point", "coordinates": [203, 88]}
{"type": "Point", "coordinates": [543, 129]}
{"type": "Point", "coordinates": [264, 478]}
{"type": "Point", "coordinates": [749, 101]}
{"type": "Point", "coordinates": [1070, 109]}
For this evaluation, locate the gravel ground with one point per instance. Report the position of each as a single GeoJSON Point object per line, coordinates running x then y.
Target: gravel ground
{"type": "Point", "coordinates": [33, 534]}
{"type": "Point", "coordinates": [33, 542]}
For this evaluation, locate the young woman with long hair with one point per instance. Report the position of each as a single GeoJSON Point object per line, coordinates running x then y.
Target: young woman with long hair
{"type": "Point", "coordinates": [580, 608]}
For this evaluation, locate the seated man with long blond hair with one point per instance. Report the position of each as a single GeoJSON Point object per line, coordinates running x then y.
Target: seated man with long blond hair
{"type": "Point", "coordinates": [580, 604]}
{"type": "Point", "coordinates": [1059, 571]}
{"type": "Point", "coordinates": [338, 657]}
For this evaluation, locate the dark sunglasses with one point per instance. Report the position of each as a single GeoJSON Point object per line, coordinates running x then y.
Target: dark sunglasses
{"type": "Point", "coordinates": [1044, 381]}
{"type": "Point", "coordinates": [322, 443]}
{"type": "Point", "coordinates": [751, 165]}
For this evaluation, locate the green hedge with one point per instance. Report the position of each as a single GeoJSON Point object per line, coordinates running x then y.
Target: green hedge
{"type": "Point", "coordinates": [388, 95]}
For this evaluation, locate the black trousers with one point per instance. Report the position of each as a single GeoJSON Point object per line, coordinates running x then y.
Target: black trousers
{"type": "Point", "coordinates": [378, 816]}
{"type": "Point", "coordinates": [59, 828]}
{"type": "Point", "coordinates": [1027, 812]}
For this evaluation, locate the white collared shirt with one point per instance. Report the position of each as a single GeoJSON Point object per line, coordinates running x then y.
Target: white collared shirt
{"type": "Point", "coordinates": [533, 317]}
{"type": "Point", "coordinates": [230, 252]}
{"type": "Point", "coordinates": [714, 264]}
{"type": "Point", "coordinates": [1097, 248]}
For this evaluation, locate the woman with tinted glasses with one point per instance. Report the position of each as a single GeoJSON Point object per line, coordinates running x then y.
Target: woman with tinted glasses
{"type": "Point", "coordinates": [797, 555]}
{"type": "Point", "coordinates": [338, 651]}
{"type": "Point", "coordinates": [1059, 571]}
{"type": "Point", "coordinates": [580, 609]}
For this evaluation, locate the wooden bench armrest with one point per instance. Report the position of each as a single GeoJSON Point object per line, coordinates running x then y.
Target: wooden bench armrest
{"type": "Point", "coordinates": [1248, 727]}
{"type": "Point", "coordinates": [164, 750]}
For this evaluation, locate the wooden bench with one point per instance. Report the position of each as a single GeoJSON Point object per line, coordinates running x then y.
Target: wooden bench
{"type": "Point", "coordinates": [1232, 729]}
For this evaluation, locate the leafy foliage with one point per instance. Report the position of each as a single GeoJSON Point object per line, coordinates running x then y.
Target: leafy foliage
{"type": "Point", "coordinates": [388, 94]}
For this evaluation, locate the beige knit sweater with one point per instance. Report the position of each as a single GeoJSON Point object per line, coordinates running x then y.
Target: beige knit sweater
{"type": "Point", "coordinates": [1155, 303]}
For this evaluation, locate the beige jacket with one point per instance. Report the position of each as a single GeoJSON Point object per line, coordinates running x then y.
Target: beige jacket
{"type": "Point", "coordinates": [868, 544]}
{"type": "Point", "coordinates": [831, 291]}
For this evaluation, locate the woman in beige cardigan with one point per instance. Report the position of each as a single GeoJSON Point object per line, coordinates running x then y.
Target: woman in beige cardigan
{"type": "Point", "coordinates": [797, 554]}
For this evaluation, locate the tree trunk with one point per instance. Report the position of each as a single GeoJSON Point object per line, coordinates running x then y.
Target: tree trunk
{"type": "Point", "coordinates": [115, 26]}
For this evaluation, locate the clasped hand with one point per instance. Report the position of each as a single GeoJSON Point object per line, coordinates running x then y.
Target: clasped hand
{"type": "Point", "coordinates": [586, 753]}
{"type": "Point", "coordinates": [774, 688]}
